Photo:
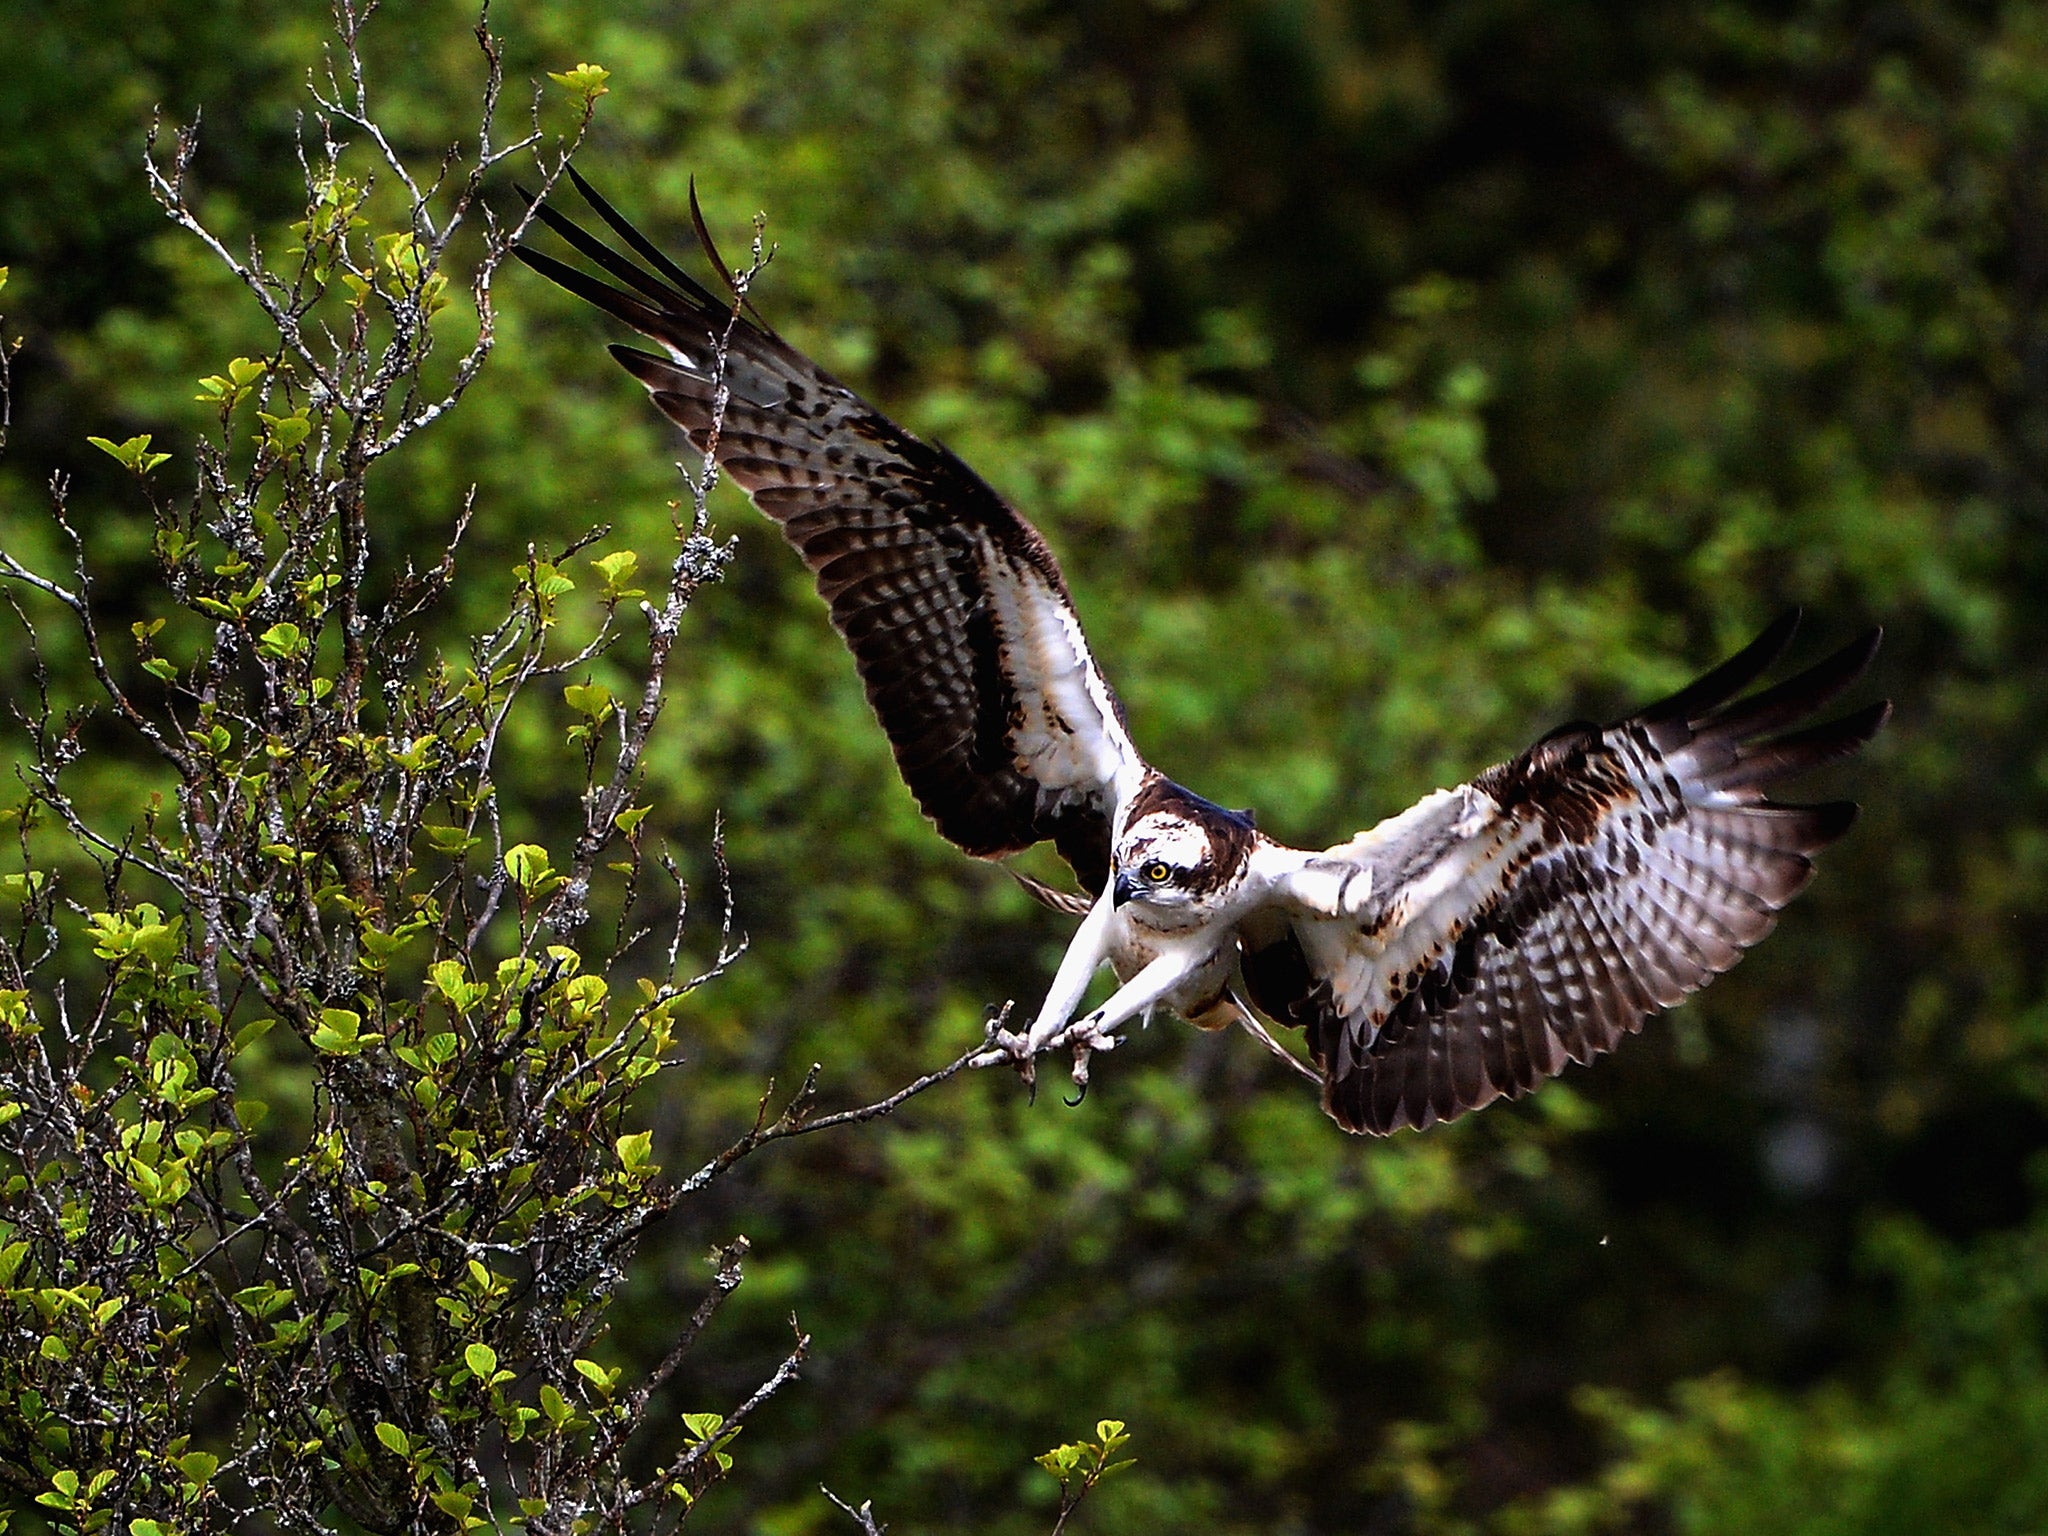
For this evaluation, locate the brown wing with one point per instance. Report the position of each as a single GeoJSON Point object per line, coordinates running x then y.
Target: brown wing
{"type": "Point", "coordinates": [1470, 947]}
{"type": "Point", "coordinates": [954, 609]}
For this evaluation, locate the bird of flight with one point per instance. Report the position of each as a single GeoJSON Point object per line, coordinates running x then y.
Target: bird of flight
{"type": "Point", "coordinates": [1459, 952]}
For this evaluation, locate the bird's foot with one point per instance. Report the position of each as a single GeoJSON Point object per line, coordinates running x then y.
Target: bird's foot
{"type": "Point", "coordinates": [1009, 1048]}
{"type": "Point", "coordinates": [1085, 1037]}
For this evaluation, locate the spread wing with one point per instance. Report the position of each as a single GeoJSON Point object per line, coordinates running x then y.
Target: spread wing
{"type": "Point", "coordinates": [953, 607]}
{"type": "Point", "coordinates": [1471, 946]}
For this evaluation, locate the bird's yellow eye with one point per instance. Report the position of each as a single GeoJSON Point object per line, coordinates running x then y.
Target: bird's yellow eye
{"type": "Point", "coordinates": [1156, 873]}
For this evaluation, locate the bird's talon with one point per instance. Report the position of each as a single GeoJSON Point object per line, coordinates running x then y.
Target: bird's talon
{"type": "Point", "coordinates": [1000, 1054]}
{"type": "Point", "coordinates": [1081, 1055]}
{"type": "Point", "coordinates": [1088, 1035]}
{"type": "Point", "coordinates": [1083, 1037]}
{"type": "Point", "coordinates": [1009, 1049]}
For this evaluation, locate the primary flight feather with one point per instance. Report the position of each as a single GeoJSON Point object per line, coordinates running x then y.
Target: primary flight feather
{"type": "Point", "coordinates": [1461, 951]}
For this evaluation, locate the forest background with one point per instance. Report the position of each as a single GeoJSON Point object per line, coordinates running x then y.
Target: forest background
{"type": "Point", "coordinates": [1394, 382]}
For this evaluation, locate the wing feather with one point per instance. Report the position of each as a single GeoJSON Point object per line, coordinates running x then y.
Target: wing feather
{"type": "Point", "coordinates": [1470, 947]}
{"type": "Point", "coordinates": [956, 612]}
{"type": "Point", "coordinates": [1495, 1064]}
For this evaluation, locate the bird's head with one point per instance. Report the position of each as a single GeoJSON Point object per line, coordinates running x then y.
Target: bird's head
{"type": "Point", "coordinates": [1183, 854]}
{"type": "Point", "coordinates": [1161, 860]}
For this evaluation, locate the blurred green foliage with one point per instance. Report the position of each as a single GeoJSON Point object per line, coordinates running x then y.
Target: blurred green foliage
{"type": "Point", "coordinates": [1393, 382]}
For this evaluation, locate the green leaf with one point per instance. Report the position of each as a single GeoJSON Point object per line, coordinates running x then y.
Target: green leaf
{"type": "Point", "coordinates": [482, 1361]}
{"type": "Point", "coordinates": [453, 1503]}
{"type": "Point", "coordinates": [284, 433]}
{"type": "Point", "coordinates": [586, 80]}
{"type": "Point", "coordinates": [395, 1439]}
{"type": "Point", "coordinates": [450, 840]}
{"type": "Point", "coordinates": [528, 865]}
{"type": "Point", "coordinates": [339, 1033]}
{"type": "Point", "coordinates": [617, 570]}
{"type": "Point", "coordinates": [281, 641]}
{"type": "Point", "coordinates": [19, 888]}
{"type": "Point", "coordinates": [401, 254]}
{"type": "Point", "coordinates": [133, 455]}
{"type": "Point", "coordinates": [380, 945]}
{"type": "Point", "coordinates": [554, 1406]}
{"type": "Point", "coordinates": [633, 1153]}
{"type": "Point", "coordinates": [1061, 1460]}
{"type": "Point", "coordinates": [593, 700]}
{"type": "Point", "coordinates": [198, 1466]}
{"type": "Point", "coordinates": [262, 1301]}
{"type": "Point", "coordinates": [231, 389]}
{"type": "Point", "coordinates": [585, 996]}
{"type": "Point", "coordinates": [451, 980]}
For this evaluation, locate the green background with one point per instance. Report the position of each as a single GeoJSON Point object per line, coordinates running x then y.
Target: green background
{"type": "Point", "coordinates": [1394, 382]}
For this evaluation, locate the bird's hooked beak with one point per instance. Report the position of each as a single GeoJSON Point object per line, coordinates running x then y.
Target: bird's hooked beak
{"type": "Point", "coordinates": [1125, 889]}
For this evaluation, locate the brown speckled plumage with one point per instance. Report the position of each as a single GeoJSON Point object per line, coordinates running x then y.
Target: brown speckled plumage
{"type": "Point", "coordinates": [1459, 952]}
{"type": "Point", "coordinates": [1652, 861]}
{"type": "Point", "coordinates": [903, 539]}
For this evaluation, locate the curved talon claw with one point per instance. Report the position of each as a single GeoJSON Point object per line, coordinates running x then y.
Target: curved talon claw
{"type": "Point", "coordinates": [1084, 1037]}
{"type": "Point", "coordinates": [1081, 1054]}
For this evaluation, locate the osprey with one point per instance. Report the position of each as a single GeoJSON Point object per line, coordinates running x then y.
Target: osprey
{"type": "Point", "coordinates": [1459, 952]}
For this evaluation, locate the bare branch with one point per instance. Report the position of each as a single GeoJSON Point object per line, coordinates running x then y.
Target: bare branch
{"type": "Point", "coordinates": [864, 1516]}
